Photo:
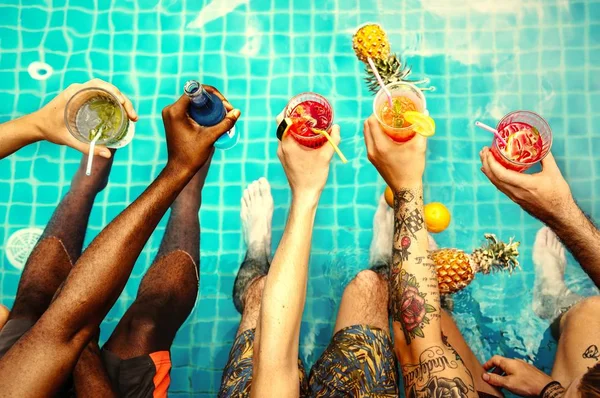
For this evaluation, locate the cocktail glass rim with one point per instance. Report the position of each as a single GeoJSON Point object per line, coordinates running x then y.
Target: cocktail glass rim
{"type": "Point", "coordinates": [521, 164]}
{"type": "Point", "coordinates": [382, 92]}
{"type": "Point", "coordinates": [287, 112]}
{"type": "Point", "coordinates": [76, 134]}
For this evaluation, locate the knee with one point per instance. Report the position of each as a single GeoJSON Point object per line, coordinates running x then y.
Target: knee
{"type": "Point", "coordinates": [142, 324]}
{"type": "Point", "coordinates": [584, 312]}
{"type": "Point", "coordinates": [368, 283]}
{"type": "Point", "coordinates": [254, 293]}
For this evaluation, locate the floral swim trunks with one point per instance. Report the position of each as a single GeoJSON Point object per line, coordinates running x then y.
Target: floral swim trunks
{"type": "Point", "coordinates": [359, 362]}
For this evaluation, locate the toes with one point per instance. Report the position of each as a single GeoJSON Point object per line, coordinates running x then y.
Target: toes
{"type": "Point", "coordinates": [247, 196]}
{"type": "Point", "coordinates": [542, 237]}
{"type": "Point", "coordinates": [264, 188]}
{"type": "Point", "coordinates": [254, 190]}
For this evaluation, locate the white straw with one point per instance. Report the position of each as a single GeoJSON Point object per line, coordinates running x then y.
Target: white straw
{"type": "Point", "coordinates": [88, 169]}
{"type": "Point", "coordinates": [381, 83]}
{"type": "Point", "coordinates": [491, 130]}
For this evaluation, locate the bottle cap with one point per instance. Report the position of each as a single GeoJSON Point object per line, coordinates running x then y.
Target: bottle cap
{"type": "Point", "coordinates": [192, 88]}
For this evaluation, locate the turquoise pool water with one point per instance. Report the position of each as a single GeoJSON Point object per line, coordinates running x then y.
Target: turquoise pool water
{"type": "Point", "coordinates": [485, 57]}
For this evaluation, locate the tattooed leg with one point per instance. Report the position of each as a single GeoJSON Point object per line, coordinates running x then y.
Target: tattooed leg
{"type": "Point", "coordinates": [579, 342]}
{"type": "Point", "coordinates": [454, 340]}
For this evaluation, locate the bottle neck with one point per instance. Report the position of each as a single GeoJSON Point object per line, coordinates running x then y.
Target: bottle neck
{"type": "Point", "coordinates": [198, 95]}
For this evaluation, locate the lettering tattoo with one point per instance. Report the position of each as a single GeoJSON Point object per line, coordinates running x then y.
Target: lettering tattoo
{"type": "Point", "coordinates": [431, 361]}
{"type": "Point", "coordinates": [592, 352]}
{"type": "Point", "coordinates": [423, 379]}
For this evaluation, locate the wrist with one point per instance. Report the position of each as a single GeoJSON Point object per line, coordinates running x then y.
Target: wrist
{"type": "Point", "coordinates": [178, 172]}
{"type": "Point", "coordinates": [31, 126]}
{"type": "Point", "coordinates": [305, 201]}
{"type": "Point", "coordinates": [552, 390]}
{"type": "Point", "coordinates": [306, 198]}
{"type": "Point", "coordinates": [408, 183]}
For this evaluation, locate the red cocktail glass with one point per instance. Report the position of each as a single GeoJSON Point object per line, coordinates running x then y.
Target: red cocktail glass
{"type": "Point", "coordinates": [315, 112]}
{"type": "Point", "coordinates": [522, 121]}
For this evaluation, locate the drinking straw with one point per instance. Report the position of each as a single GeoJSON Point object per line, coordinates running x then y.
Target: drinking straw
{"type": "Point", "coordinates": [491, 130]}
{"type": "Point", "coordinates": [335, 147]}
{"type": "Point", "coordinates": [381, 83]}
{"type": "Point", "coordinates": [88, 169]}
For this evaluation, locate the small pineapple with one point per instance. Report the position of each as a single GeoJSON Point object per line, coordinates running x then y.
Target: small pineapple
{"type": "Point", "coordinates": [370, 41]}
{"type": "Point", "coordinates": [456, 269]}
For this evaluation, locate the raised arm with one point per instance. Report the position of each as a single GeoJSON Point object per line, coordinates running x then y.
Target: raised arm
{"type": "Point", "coordinates": [430, 367]}
{"type": "Point", "coordinates": [278, 333]}
{"type": "Point", "coordinates": [41, 360]}
{"type": "Point", "coordinates": [48, 123]}
{"type": "Point", "coordinates": [547, 196]}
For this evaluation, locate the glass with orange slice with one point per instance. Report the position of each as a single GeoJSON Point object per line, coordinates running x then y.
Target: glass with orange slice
{"type": "Point", "coordinates": [406, 116]}
{"type": "Point", "coordinates": [528, 140]}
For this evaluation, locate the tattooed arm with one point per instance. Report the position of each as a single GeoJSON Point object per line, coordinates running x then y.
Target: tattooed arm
{"type": "Point", "coordinates": [429, 366]}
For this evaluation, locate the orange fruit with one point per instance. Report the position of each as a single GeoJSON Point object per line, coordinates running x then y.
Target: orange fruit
{"type": "Point", "coordinates": [389, 197]}
{"type": "Point", "coordinates": [437, 217]}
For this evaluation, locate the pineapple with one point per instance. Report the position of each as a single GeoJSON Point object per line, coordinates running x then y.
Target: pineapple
{"type": "Point", "coordinates": [456, 269]}
{"type": "Point", "coordinates": [371, 41]}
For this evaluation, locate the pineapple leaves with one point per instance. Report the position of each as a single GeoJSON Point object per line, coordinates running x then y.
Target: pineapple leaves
{"type": "Point", "coordinates": [391, 70]}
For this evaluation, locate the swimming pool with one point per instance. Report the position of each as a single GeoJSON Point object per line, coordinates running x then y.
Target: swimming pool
{"type": "Point", "coordinates": [484, 57]}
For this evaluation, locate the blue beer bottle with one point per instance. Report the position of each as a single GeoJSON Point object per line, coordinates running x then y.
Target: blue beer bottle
{"type": "Point", "coordinates": [208, 110]}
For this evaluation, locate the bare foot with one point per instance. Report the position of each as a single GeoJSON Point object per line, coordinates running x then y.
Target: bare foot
{"type": "Point", "coordinates": [383, 234]}
{"type": "Point", "coordinates": [98, 179]}
{"type": "Point", "coordinates": [257, 216]}
{"type": "Point", "coordinates": [550, 294]}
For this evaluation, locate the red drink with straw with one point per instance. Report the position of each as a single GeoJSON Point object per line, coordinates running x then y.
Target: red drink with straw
{"type": "Point", "coordinates": [528, 140]}
{"type": "Point", "coordinates": [309, 111]}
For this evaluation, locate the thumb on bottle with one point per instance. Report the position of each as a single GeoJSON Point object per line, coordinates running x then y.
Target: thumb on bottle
{"type": "Point", "coordinates": [226, 124]}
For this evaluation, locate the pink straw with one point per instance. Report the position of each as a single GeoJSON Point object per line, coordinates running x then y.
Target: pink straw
{"type": "Point", "coordinates": [381, 83]}
{"type": "Point", "coordinates": [491, 130]}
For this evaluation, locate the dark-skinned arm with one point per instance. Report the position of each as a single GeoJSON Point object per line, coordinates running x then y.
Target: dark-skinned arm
{"type": "Point", "coordinates": [42, 359]}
